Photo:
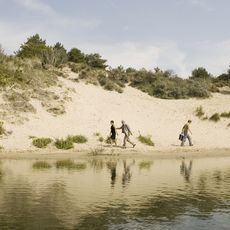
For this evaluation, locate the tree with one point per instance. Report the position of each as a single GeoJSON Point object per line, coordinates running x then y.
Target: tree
{"type": "Point", "coordinates": [95, 61]}
{"type": "Point", "coordinates": [75, 55]}
{"type": "Point", "coordinates": [200, 73]}
{"type": "Point", "coordinates": [33, 47]}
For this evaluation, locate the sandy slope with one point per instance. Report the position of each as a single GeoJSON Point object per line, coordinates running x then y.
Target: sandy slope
{"type": "Point", "coordinates": [92, 108]}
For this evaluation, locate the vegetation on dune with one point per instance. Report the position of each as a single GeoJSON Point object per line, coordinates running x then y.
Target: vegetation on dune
{"type": "Point", "coordinates": [146, 140]}
{"type": "Point", "coordinates": [35, 66]}
{"type": "Point", "coordinates": [41, 142]}
{"type": "Point", "coordinates": [100, 139]}
{"type": "Point", "coordinates": [199, 112]}
{"type": "Point", "coordinates": [79, 139]}
{"type": "Point", "coordinates": [225, 114]}
{"type": "Point", "coordinates": [41, 165]}
{"type": "Point", "coordinates": [2, 129]}
{"type": "Point", "coordinates": [64, 144]}
{"type": "Point", "coordinates": [70, 164]}
{"type": "Point", "coordinates": [215, 117]}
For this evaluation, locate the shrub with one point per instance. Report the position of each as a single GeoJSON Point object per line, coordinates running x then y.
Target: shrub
{"type": "Point", "coordinates": [95, 61]}
{"type": "Point", "coordinates": [70, 164]}
{"type": "Point", "coordinates": [41, 142]}
{"type": "Point", "coordinates": [204, 118]}
{"type": "Point", "coordinates": [108, 140]}
{"type": "Point", "coordinates": [199, 112]}
{"type": "Point", "coordinates": [97, 134]}
{"type": "Point", "coordinates": [41, 165]}
{"type": "Point", "coordinates": [225, 114]}
{"type": "Point", "coordinates": [64, 144]}
{"type": "Point", "coordinates": [146, 140]}
{"type": "Point", "coordinates": [75, 55]}
{"type": "Point", "coordinates": [228, 125]}
{"type": "Point", "coordinates": [2, 129]}
{"type": "Point", "coordinates": [33, 47]}
{"type": "Point", "coordinates": [101, 139]}
{"type": "Point", "coordinates": [215, 117]}
{"type": "Point", "coordinates": [77, 139]}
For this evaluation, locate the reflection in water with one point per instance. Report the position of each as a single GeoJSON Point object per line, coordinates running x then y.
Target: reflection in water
{"type": "Point", "coordinates": [126, 176]}
{"type": "Point", "coordinates": [186, 170]}
{"type": "Point", "coordinates": [87, 200]}
{"type": "Point", "coordinates": [112, 166]}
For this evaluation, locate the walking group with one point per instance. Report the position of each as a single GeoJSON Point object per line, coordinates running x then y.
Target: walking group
{"type": "Point", "coordinates": [185, 134]}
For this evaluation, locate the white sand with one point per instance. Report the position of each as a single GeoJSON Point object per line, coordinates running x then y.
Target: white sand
{"type": "Point", "coordinates": [92, 108]}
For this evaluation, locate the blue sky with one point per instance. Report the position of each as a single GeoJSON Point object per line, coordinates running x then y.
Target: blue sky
{"type": "Point", "coordinates": [179, 35]}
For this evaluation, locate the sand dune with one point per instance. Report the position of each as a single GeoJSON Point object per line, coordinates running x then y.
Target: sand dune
{"type": "Point", "coordinates": [92, 108]}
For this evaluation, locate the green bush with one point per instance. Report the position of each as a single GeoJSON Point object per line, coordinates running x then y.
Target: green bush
{"type": "Point", "coordinates": [69, 164]}
{"type": "Point", "coordinates": [41, 142]}
{"type": "Point", "coordinates": [75, 55]}
{"type": "Point", "coordinates": [2, 129]}
{"type": "Point", "coordinates": [215, 117]}
{"type": "Point", "coordinates": [64, 144]}
{"type": "Point", "coordinates": [146, 140]}
{"type": "Point", "coordinates": [199, 112]}
{"type": "Point", "coordinates": [41, 165]}
{"type": "Point", "coordinates": [101, 139]}
{"type": "Point", "coordinates": [225, 114]}
{"type": "Point", "coordinates": [77, 139]}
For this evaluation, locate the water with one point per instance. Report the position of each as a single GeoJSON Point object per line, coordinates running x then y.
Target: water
{"type": "Point", "coordinates": [116, 194]}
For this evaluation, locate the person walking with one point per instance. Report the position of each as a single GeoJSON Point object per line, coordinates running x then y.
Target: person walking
{"type": "Point", "coordinates": [113, 133]}
{"type": "Point", "coordinates": [127, 132]}
{"type": "Point", "coordinates": [185, 131]}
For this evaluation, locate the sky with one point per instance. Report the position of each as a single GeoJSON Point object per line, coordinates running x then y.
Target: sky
{"type": "Point", "coordinates": [177, 35]}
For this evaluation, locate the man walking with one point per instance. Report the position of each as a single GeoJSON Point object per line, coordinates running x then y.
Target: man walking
{"type": "Point", "coordinates": [127, 132]}
{"type": "Point", "coordinates": [185, 131]}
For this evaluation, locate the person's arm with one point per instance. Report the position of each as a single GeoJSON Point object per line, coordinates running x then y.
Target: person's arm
{"type": "Point", "coordinates": [189, 130]}
{"type": "Point", "coordinates": [119, 128]}
{"type": "Point", "coordinates": [116, 130]}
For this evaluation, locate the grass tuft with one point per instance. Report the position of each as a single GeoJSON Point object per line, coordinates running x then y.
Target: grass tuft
{"type": "Point", "coordinates": [64, 144]}
{"type": "Point", "coordinates": [41, 142]}
{"type": "Point", "coordinates": [100, 139]}
{"type": "Point", "coordinates": [225, 114]}
{"type": "Point", "coordinates": [215, 117]}
{"type": "Point", "coordinates": [41, 165]}
{"type": "Point", "coordinates": [80, 139]}
{"type": "Point", "coordinates": [146, 140]}
{"type": "Point", "coordinates": [70, 164]}
{"type": "Point", "coordinates": [199, 112]}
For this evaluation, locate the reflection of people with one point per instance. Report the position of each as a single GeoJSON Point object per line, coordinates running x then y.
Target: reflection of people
{"type": "Point", "coordinates": [185, 131]}
{"type": "Point", "coordinates": [186, 170]}
{"type": "Point", "coordinates": [113, 174]}
{"type": "Point", "coordinates": [113, 133]}
{"type": "Point", "coordinates": [126, 176]}
{"type": "Point", "coordinates": [127, 132]}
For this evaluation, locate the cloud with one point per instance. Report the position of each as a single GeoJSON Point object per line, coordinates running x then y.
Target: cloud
{"type": "Point", "coordinates": [55, 18]}
{"type": "Point", "coordinates": [203, 4]}
{"type": "Point", "coordinates": [137, 55]}
{"type": "Point", "coordinates": [36, 5]}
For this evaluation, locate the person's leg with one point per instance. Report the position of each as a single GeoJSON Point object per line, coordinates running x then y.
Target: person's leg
{"type": "Point", "coordinates": [189, 140]}
{"type": "Point", "coordinates": [128, 140]}
{"type": "Point", "coordinates": [124, 140]}
{"type": "Point", "coordinates": [184, 139]}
